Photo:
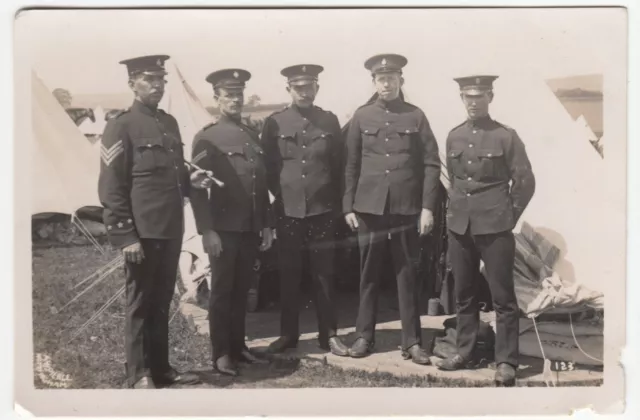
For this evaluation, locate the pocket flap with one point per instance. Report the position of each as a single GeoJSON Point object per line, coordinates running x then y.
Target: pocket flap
{"type": "Point", "coordinates": [147, 142]}
{"type": "Point", "coordinates": [287, 134]}
{"type": "Point", "coordinates": [232, 150]}
{"type": "Point", "coordinates": [371, 130]}
{"type": "Point", "coordinates": [406, 129]}
{"type": "Point", "coordinates": [490, 153]}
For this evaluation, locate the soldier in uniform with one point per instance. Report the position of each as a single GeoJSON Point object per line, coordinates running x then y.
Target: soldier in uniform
{"type": "Point", "coordinates": [391, 179]}
{"type": "Point", "coordinates": [303, 148]}
{"type": "Point", "coordinates": [235, 220]}
{"type": "Point", "coordinates": [143, 181]}
{"type": "Point", "coordinates": [491, 185]}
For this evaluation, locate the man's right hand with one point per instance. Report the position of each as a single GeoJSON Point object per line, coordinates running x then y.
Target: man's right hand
{"type": "Point", "coordinates": [133, 253]}
{"type": "Point", "coordinates": [211, 243]}
{"type": "Point", "coordinates": [352, 221]}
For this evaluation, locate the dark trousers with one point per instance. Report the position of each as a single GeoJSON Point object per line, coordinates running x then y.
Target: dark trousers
{"type": "Point", "coordinates": [149, 289]}
{"type": "Point", "coordinates": [498, 253]}
{"type": "Point", "coordinates": [373, 231]}
{"type": "Point", "coordinates": [314, 235]}
{"type": "Point", "coordinates": [232, 274]}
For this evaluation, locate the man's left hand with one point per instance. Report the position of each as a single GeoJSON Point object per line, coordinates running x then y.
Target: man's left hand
{"type": "Point", "coordinates": [201, 179]}
{"type": "Point", "coordinates": [426, 222]}
{"type": "Point", "coordinates": [267, 239]}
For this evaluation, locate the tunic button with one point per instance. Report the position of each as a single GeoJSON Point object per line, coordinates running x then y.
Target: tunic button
{"type": "Point", "coordinates": [246, 144]}
{"type": "Point", "coordinates": [386, 139]}
{"type": "Point", "coordinates": [304, 131]}
{"type": "Point", "coordinates": [149, 145]}
{"type": "Point", "coordinates": [387, 171]}
{"type": "Point", "coordinates": [469, 179]}
{"type": "Point", "coordinates": [229, 153]}
{"type": "Point", "coordinates": [304, 146]}
{"type": "Point", "coordinates": [387, 155]}
{"type": "Point", "coordinates": [304, 176]}
{"type": "Point", "coordinates": [387, 123]}
{"type": "Point", "coordinates": [471, 145]}
{"type": "Point", "coordinates": [366, 131]}
{"type": "Point", "coordinates": [304, 161]}
{"type": "Point", "coordinates": [489, 154]}
{"type": "Point", "coordinates": [469, 162]}
{"type": "Point", "coordinates": [241, 129]}
{"type": "Point", "coordinates": [387, 111]}
{"type": "Point", "coordinates": [406, 131]}
{"type": "Point", "coordinates": [468, 195]}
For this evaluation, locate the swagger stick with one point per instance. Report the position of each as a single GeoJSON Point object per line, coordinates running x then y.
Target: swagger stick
{"type": "Point", "coordinates": [196, 167]}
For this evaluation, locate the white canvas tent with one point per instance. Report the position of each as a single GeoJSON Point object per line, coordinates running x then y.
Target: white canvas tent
{"type": "Point", "coordinates": [61, 156]}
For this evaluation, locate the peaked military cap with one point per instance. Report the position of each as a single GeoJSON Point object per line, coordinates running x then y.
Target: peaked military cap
{"type": "Point", "coordinates": [302, 74]}
{"type": "Point", "coordinates": [476, 85]}
{"type": "Point", "coordinates": [386, 63]}
{"type": "Point", "coordinates": [152, 65]}
{"type": "Point", "coordinates": [229, 78]}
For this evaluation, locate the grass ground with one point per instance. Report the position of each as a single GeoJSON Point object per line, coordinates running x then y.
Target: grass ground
{"type": "Point", "coordinates": [95, 358]}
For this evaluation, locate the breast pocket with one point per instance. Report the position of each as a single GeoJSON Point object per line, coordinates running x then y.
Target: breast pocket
{"type": "Point", "coordinates": [235, 157]}
{"type": "Point", "coordinates": [492, 163]}
{"type": "Point", "coordinates": [288, 145]}
{"type": "Point", "coordinates": [150, 155]}
{"type": "Point", "coordinates": [454, 162]}
{"type": "Point", "coordinates": [319, 143]}
{"type": "Point", "coordinates": [369, 134]}
{"type": "Point", "coordinates": [406, 133]}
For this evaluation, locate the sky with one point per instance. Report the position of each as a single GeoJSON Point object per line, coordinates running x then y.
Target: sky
{"type": "Point", "coordinates": [80, 49]}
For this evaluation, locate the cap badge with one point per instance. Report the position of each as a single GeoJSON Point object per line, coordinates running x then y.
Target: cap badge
{"type": "Point", "coordinates": [235, 74]}
{"type": "Point", "coordinates": [384, 62]}
{"type": "Point", "coordinates": [304, 69]}
{"type": "Point", "coordinates": [477, 80]}
{"type": "Point", "coordinates": [159, 63]}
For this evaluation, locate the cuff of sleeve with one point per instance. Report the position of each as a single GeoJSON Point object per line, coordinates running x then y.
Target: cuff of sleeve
{"type": "Point", "coordinates": [123, 240]}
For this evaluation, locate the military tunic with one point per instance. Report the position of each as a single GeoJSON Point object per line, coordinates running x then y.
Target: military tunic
{"type": "Point", "coordinates": [392, 173]}
{"type": "Point", "coordinates": [142, 183]}
{"type": "Point", "coordinates": [237, 212]}
{"type": "Point", "coordinates": [304, 169]}
{"type": "Point", "coordinates": [492, 183]}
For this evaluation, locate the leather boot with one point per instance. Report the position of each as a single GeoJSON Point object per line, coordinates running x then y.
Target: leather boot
{"type": "Point", "coordinates": [225, 366]}
{"type": "Point", "coordinates": [456, 362]}
{"type": "Point", "coordinates": [505, 375]}
{"type": "Point", "coordinates": [417, 355]}
{"type": "Point", "coordinates": [144, 383]}
{"type": "Point", "coordinates": [360, 348]}
{"type": "Point", "coordinates": [282, 344]}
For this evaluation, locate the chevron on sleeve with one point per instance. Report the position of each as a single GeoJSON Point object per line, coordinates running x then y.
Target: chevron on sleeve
{"type": "Point", "coordinates": [199, 157]}
{"type": "Point", "coordinates": [109, 154]}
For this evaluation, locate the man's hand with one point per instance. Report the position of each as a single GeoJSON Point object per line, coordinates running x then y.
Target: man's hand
{"type": "Point", "coordinates": [267, 239]}
{"type": "Point", "coordinates": [133, 253]}
{"type": "Point", "coordinates": [426, 222]}
{"type": "Point", "coordinates": [352, 221]}
{"type": "Point", "coordinates": [211, 243]}
{"type": "Point", "coordinates": [201, 179]}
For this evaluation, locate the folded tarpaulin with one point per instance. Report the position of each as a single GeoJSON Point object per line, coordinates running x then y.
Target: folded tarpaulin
{"type": "Point", "coordinates": [539, 289]}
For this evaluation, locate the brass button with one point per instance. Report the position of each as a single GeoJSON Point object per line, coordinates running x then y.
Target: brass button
{"type": "Point", "coordinates": [469, 162]}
